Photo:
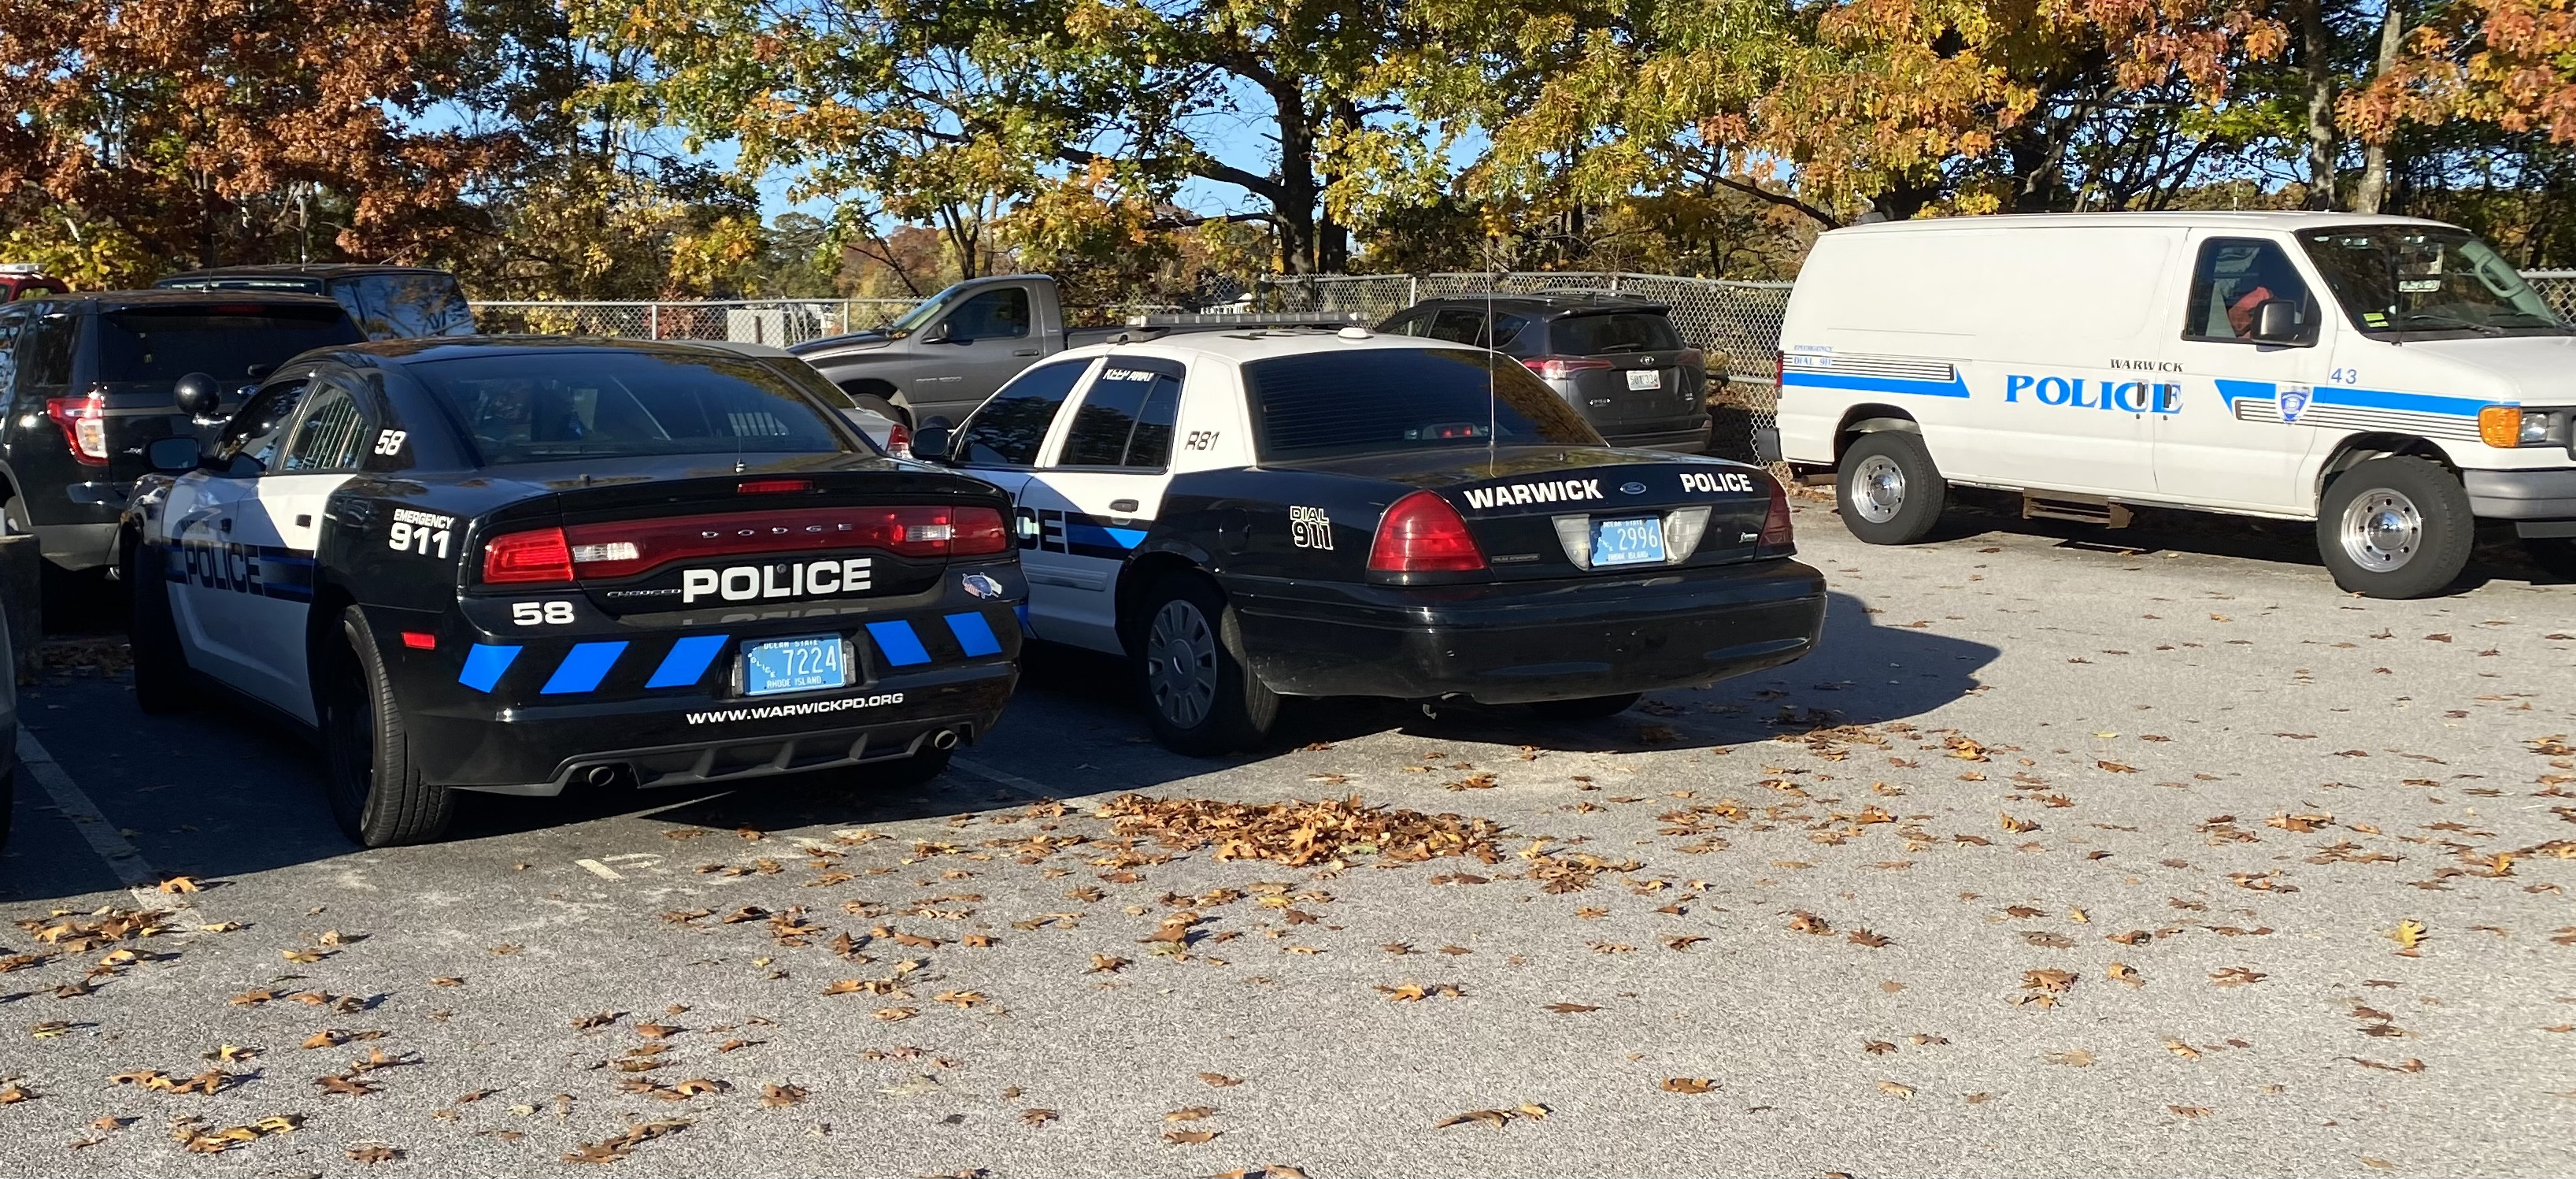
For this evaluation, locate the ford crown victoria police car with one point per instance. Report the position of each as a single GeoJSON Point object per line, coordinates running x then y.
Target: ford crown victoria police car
{"type": "Point", "coordinates": [1257, 514]}
{"type": "Point", "coordinates": [509, 565]}
{"type": "Point", "coordinates": [2391, 379]}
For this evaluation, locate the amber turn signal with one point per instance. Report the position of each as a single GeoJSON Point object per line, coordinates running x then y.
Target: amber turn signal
{"type": "Point", "coordinates": [2500, 426]}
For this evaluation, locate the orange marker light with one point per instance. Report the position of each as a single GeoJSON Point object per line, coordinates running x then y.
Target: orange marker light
{"type": "Point", "coordinates": [2500, 425]}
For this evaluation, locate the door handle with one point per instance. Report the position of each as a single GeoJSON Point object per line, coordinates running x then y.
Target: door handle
{"type": "Point", "coordinates": [1024, 352]}
{"type": "Point", "coordinates": [1122, 505]}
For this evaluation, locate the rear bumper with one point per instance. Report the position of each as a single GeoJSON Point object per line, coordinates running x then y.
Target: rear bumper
{"type": "Point", "coordinates": [2547, 494]}
{"type": "Point", "coordinates": [77, 546]}
{"type": "Point", "coordinates": [1530, 641]}
{"type": "Point", "coordinates": [1690, 439]}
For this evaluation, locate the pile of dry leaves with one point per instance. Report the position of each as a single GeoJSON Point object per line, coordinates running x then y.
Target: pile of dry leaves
{"type": "Point", "coordinates": [1299, 833]}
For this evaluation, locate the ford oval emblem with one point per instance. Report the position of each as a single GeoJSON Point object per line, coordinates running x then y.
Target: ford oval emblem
{"type": "Point", "coordinates": [1632, 489]}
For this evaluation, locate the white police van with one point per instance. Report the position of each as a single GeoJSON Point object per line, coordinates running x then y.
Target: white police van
{"type": "Point", "coordinates": [2391, 379]}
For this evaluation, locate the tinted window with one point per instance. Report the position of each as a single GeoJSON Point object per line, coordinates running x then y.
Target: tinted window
{"type": "Point", "coordinates": [998, 314]}
{"type": "Point", "coordinates": [1411, 323]}
{"type": "Point", "coordinates": [44, 352]}
{"type": "Point", "coordinates": [165, 344]}
{"type": "Point", "coordinates": [2234, 278]}
{"type": "Point", "coordinates": [1458, 325]}
{"type": "Point", "coordinates": [249, 440]}
{"type": "Point", "coordinates": [1126, 418]}
{"type": "Point", "coordinates": [400, 306]}
{"type": "Point", "coordinates": [1006, 431]}
{"type": "Point", "coordinates": [1380, 399]}
{"type": "Point", "coordinates": [1610, 332]}
{"type": "Point", "coordinates": [529, 407]}
{"type": "Point", "coordinates": [1507, 332]}
{"type": "Point", "coordinates": [332, 434]}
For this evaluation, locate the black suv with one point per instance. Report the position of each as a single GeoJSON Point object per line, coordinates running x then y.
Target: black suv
{"type": "Point", "coordinates": [388, 302]}
{"type": "Point", "coordinates": [1616, 360]}
{"type": "Point", "coordinates": [88, 380]}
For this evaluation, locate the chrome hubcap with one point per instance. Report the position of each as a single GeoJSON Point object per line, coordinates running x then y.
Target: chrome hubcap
{"type": "Point", "coordinates": [1878, 489]}
{"type": "Point", "coordinates": [1180, 664]}
{"type": "Point", "coordinates": [2381, 530]}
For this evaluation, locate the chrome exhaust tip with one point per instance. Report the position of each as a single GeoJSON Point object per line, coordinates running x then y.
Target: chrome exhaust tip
{"type": "Point", "coordinates": [944, 739]}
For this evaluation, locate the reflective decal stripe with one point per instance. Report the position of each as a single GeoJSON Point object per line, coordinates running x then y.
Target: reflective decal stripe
{"type": "Point", "coordinates": [1954, 387]}
{"type": "Point", "coordinates": [974, 635]}
{"type": "Point", "coordinates": [582, 670]}
{"type": "Point", "coordinates": [687, 661]}
{"type": "Point", "coordinates": [484, 665]}
{"type": "Point", "coordinates": [902, 647]}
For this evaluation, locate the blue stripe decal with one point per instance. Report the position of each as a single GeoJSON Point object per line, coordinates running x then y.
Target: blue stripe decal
{"type": "Point", "coordinates": [974, 635]}
{"type": "Point", "coordinates": [1124, 538]}
{"type": "Point", "coordinates": [1954, 387]}
{"type": "Point", "coordinates": [582, 670]}
{"type": "Point", "coordinates": [484, 665]}
{"type": "Point", "coordinates": [902, 647]}
{"type": "Point", "coordinates": [1021, 612]}
{"type": "Point", "coordinates": [2230, 392]}
{"type": "Point", "coordinates": [687, 661]}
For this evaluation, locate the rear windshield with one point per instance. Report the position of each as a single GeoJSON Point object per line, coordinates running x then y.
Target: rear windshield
{"type": "Point", "coordinates": [402, 306]}
{"type": "Point", "coordinates": [534, 407]}
{"type": "Point", "coordinates": [227, 343]}
{"type": "Point", "coordinates": [1612, 332]}
{"type": "Point", "coordinates": [1367, 401]}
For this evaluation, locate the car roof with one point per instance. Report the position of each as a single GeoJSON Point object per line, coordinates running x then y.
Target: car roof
{"type": "Point", "coordinates": [1243, 347]}
{"type": "Point", "coordinates": [2271, 219]}
{"type": "Point", "coordinates": [1548, 303]}
{"type": "Point", "coordinates": [324, 270]}
{"type": "Point", "coordinates": [113, 300]}
{"type": "Point", "coordinates": [422, 349]}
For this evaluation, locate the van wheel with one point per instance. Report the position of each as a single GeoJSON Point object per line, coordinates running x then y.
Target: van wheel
{"type": "Point", "coordinates": [152, 636]}
{"type": "Point", "coordinates": [2395, 528]}
{"type": "Point", "coordinates": [376, 793]}
{"type": "Point", "coordinates": [1890, 491]}
{"type": "Point", "coordinates": [2556, 555]}
{"type": "Point", "coordinates": [1200, 694]}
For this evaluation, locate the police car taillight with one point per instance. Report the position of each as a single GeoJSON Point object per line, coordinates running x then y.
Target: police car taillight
{"type": "Point", "coordinates": [1421, 533]}
{"type": "Point", "coordinates": [1775, 523]}
{"type": "Point", "coordinates": [84, 424]}
{"type": "Point", "coordinates": [527, 558]}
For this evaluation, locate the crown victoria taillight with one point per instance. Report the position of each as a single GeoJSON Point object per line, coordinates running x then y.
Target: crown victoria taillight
{"type": "Point", "coordinates": [1421, 533]}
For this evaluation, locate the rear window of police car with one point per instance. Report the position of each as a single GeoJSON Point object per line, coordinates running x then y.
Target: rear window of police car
{"type": "Point", "coordinates": [541, 407]}
{"type": "Point", "coordinates": [1366, 401]}
{"type": "Point", "coordinates": [225, 342]}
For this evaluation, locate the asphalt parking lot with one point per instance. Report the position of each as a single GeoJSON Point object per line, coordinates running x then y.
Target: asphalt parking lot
{"type": "Point", "coordinates": [2069, 853]}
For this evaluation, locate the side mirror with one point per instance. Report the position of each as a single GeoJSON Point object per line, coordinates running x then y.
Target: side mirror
{"type": "Point", "coordinates": [170, 456]}
{"type": "Point", "coordinates": [931, 440]}
{"type": "Point", "coordinates": [197, 395]}
{"type": "Point", "coordinates": [936, 333]}
{"type": "Point", "coordinates": [2277, 322]}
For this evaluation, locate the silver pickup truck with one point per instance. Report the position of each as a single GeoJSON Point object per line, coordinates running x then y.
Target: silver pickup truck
{"type": "Point", "coordinates": [951, 351]}
{"type": "Point", "coordinates": [946, 355]}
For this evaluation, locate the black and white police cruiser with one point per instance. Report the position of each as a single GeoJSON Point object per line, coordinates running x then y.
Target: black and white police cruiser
{"type": "Point", "coordinates": [509, 565]}
{"type": "Point", "coordinates": [1251, 514]}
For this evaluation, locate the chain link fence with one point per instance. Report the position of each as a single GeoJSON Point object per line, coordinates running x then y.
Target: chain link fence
{"type": "Point", "coordinates": [2557, 286]}
{"type": "Point", "coordinates": [749, 321]}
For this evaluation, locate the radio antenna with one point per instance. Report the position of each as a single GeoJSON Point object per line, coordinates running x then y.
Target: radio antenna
{"type": "Point", "coordinates": [1493, 466]}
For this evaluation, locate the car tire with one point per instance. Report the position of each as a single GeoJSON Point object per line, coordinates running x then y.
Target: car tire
{"type": "Point", "coordinates": [2395, 528]}
{"type": "Point", "coordinates": [912, 771]}
{"type": "Point", "coordinates": [376, 793]}
{"type": "Point", "coordinates": [152, 636]}
{"type": "Point", "coordinates": [1200, 693]}
{"type": "Point", "coordinates": [1890, 492]}
{"type": "Point", "coordinates": [1586, 708]}
{"type": "Point", "coordinates": [2556, 555]}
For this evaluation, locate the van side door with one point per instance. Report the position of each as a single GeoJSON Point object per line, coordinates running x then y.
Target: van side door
{"type": "Point", "coordinates": [2227, 421]}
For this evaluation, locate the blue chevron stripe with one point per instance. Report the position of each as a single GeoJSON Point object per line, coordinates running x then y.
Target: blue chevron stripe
{"type": "Point", "coordinates": [902, 647]}
{"type": "Point", "coordinates": [687, 662]}
{"type": "Point", "coordinates": [583, 668]}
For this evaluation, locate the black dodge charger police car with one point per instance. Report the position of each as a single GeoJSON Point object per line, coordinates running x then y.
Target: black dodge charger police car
{"type": "Point", "coordinates": [512, 565]}
{"type": "Point", "coordinates": [1251, 514]}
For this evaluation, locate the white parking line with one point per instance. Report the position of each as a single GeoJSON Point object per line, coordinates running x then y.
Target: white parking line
{"type": "Point", "coordinates": [1014, 781]}
{"type": "Point", "coordinates": [119, 853]}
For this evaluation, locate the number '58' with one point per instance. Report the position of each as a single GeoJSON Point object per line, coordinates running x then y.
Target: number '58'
{"type": "Point", "coordinates": [541, 613]}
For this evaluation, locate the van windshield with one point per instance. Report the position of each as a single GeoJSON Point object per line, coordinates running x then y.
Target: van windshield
{"type": "Point", "coordinates": [2408, 279]}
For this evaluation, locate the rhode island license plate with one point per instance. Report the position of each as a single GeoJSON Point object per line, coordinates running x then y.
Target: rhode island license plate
{"type": "Point", "coordinates": [1635, 541]}
{"type": "Point", "coordinates": [795, 665]}
{"type": "Point", "coordinates": [1645, 378]}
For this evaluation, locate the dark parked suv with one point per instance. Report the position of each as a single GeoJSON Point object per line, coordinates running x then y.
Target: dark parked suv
{"type": "Point", "coordinates": [388, 302]}
{"type": "Point", "coordinates": [1616, 360]}
{"type": "Point", "coordinates": [87, 381]}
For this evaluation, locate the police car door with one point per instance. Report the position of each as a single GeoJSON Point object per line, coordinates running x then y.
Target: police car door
{"type": "Point", "coordinates": [1000, 442]}
{"type": "Point", "coordinates": [277, 522]}
{"type": "Point", "coordinates": [1097, 496]}
{"type": "Point", "coordinates": [2228, 432]}
{"type": "Point", "coordinates": [212, 575]}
